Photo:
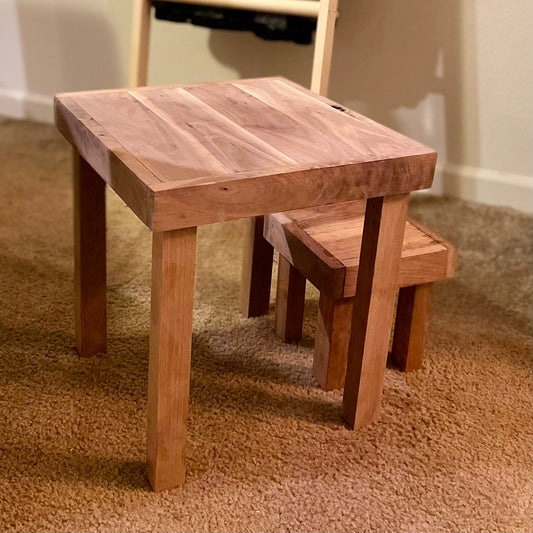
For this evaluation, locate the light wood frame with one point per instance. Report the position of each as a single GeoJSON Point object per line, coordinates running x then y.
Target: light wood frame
{"type": "Point", "coordinates": [325, 11]}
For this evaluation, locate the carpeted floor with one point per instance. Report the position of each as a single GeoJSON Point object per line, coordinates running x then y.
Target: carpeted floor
{"type": "Point", "coordinates": [267, 449]}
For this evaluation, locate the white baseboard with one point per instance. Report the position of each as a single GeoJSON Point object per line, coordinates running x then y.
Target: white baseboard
{"type": "Point", "coordinates": [484, 186]}
{"type": "Point", "coordinates": [16, 103]}
{"type": "Point", "coordinates": [460, 181]}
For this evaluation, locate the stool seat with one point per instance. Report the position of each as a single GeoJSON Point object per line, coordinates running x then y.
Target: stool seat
{"type": "Point", "coordinates": [323, 245]}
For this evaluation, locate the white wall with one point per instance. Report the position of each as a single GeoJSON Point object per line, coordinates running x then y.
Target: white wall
{"type": "Point", "coordinates": [455, 74]}
{"type": "Point", "coordinates": [12, 75]}
{"type": "Point", "coordinates": [50, 46]}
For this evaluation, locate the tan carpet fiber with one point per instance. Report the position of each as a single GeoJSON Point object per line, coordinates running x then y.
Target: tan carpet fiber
{"type": "Point", "coordinates": [267, 449]}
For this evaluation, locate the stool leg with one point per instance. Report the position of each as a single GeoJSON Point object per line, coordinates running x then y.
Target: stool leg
{"type": "Point", "coordinates": [256, 271]}
{"type": "Point", "coordinates": [89, 258]}
{"type": "Point", "coordinates": [332, 341]}
{"type": "Point", "coordinates": [412, 319]}
{"type": "Point", "coordinates": [290, 299]}
{"type": "Point", "coordinates": [173, 263]}
{"type": "Point", "coordinates": [375, 297]}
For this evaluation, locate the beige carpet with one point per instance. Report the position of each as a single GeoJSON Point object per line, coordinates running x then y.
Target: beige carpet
{"type": "Point", "coordinates": [267, 449]}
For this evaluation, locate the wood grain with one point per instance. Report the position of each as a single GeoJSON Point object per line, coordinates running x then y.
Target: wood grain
{"type": "Point", "coordinates": [287, 133]}
{"type": "Point", "coordinates": [215, 136]}
{"type": "Point", "coordinates": [172, 153]}
{"type": "Point", "coordinates": [256, 194]}
{"type": "Point", "coordinates": [220, 151]}
{"type": "Point", "coordinates": [89, 259]}
{"type": "Point", "coordinates": [349, 136]}
{"type": "Point", "coordinates": [290, 298]}
{"type": "Point", "coordinates": [173, 265]}
{"type": "Point", "coordinates": [121, 170]}
{"type": "Point", "coordinates": [373, 308]}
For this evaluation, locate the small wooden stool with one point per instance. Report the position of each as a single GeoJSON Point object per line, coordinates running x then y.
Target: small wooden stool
{"type": "Point", "coordinates": [318, 244]}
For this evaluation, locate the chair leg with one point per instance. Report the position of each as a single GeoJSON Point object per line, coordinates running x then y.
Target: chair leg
{"type": "Point", "coordinates": [290, 299]}
{"type": "Point", "coordinates": [140, 40]}
{"type": "Point", "coordinates": [412, 319]}
{"type": "Point", "coordinates": [325, 29]}
{"type": "Point", "coordinates": [332, 340]}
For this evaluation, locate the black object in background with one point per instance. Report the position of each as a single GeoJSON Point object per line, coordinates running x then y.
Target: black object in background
{"type": "Point", "coordinates": [270, 26]}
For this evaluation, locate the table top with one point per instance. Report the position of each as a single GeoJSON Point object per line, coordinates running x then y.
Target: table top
{"type": "Point", "coordinates": [182, 156]}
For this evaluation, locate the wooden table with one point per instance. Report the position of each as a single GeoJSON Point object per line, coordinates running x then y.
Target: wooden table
{"type": "Point", "coordinates": [189, 155]}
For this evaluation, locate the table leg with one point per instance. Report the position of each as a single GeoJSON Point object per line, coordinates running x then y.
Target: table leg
{"type": "Point", "coordinates": [173, 264]}
{"type": "Point", "coordinates": [256, 271]}
{"type": "Point", "coordinates": [89, 258]}
{"type": "Point", "coordinates": [375, 295]}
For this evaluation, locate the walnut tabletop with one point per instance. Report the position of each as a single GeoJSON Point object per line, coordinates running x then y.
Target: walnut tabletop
{"type": "Point", "coordinates": [191, 155]}
{"type": "Point", "coordinates": [188, 155]}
